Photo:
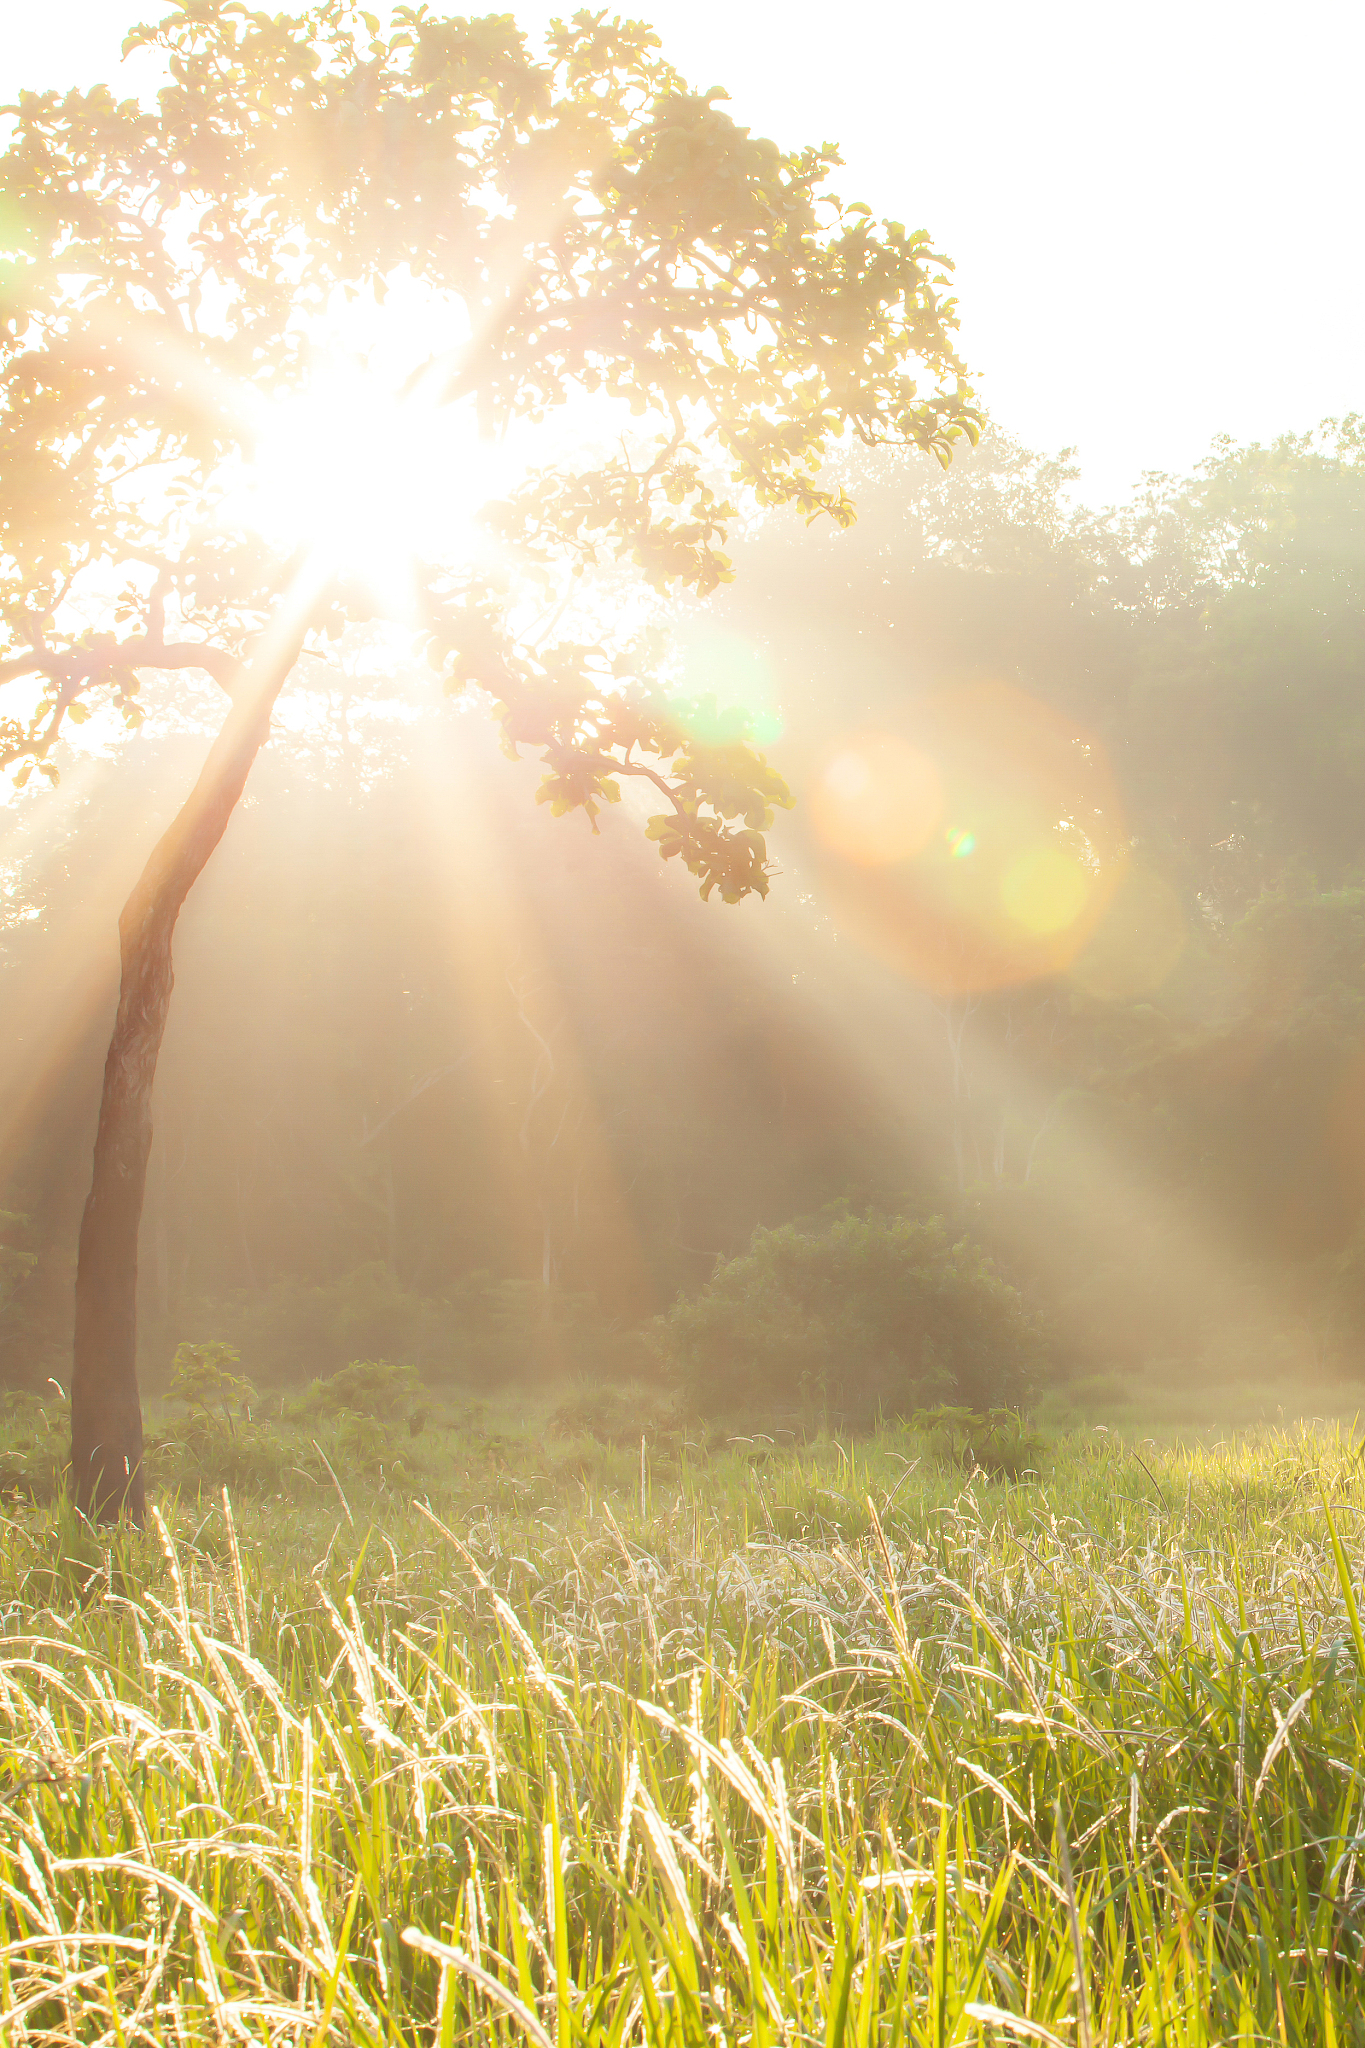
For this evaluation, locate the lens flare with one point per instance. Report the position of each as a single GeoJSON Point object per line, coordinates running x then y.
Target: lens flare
{"type": "Point", "coordinates": [1045, 890]}
{"type": "Point", "coordinates": [979, 845]}
{"type": "Point", "coordinates": [878, 801]}
{"type": "Point", "coordinates": [726, 685]}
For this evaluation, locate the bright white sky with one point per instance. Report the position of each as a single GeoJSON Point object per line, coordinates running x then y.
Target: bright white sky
{"type": "Point", "coordinates": [1155, 210]}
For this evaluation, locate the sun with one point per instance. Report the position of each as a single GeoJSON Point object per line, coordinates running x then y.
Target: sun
{"type": "Point", "coordinates": [368, 480]}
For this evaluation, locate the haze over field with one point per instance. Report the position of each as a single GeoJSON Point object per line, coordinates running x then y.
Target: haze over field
{"type": "Point", "coordinates": [1060, 941]}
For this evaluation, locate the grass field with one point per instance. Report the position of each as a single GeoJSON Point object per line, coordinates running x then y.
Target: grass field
{"type": "Point", "coordinates": [824, 1745]}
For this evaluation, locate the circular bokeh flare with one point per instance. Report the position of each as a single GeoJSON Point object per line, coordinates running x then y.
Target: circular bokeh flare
{"type": "Point", "coordinates": [978, 845]}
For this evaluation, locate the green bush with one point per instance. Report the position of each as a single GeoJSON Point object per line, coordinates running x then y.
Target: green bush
{"type": "Point", "coordinates": [482, 1333]}
{"type": "Point", "coordinates": [850, 1318]}
{"type": "Point", "coordinates": [200, 1453]}
{"type": "Point", "coordinates": [363, 1447]}
{"type": "Point", "coordinates": [998, 1443]}
{"type": "Point", "coordinates": [33, 1452]}
{"type": "Point", "coordinates": [368, 1387]}
{"type": "Point", "coordinates": [613, 1415]}
{"type": "Point", "coordinates": [201, 1377]}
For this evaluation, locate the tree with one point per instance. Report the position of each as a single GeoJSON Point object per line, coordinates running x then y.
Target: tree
{"type": "Point", "coordinates": [1243, 725]}
{"type": "Point", "coordinates": [580, 224]}
{"type": "Point", "coordinates": [854, 1317]}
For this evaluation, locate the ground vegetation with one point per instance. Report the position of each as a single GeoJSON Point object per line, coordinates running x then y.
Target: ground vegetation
{"type": "Point", "coordinates": [836, 1739]}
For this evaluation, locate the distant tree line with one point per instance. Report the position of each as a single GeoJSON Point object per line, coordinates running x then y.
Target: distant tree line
{"type": "Point", "coordinates": [517, 1096]}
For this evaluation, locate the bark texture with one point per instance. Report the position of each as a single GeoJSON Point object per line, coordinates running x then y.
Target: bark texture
{"type": "Point", "coordinates": [106, 1409]}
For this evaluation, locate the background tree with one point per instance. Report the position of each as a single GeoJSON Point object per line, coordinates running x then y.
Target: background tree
{"type": "Point", "coordinates": [392, 888]}
{"type": "Point", "coordinates": [848, 1318]}
{"type": "Point", "coordinates": [581, 224]}
{"type": "Point", "coordinates": [711, 1098]}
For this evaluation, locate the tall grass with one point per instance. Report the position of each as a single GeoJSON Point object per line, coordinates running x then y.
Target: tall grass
{"type": "Point", "coordinates": [835, 1748]}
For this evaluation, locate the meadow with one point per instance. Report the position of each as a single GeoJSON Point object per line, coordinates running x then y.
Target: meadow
{"type": "Point", "coordinates": [836, 1743]}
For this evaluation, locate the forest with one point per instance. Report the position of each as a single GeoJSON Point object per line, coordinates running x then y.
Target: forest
{"type": "Point", "coordinates": [458, 1086]}
{"type": "Point", "coordinates": [682, 1091]}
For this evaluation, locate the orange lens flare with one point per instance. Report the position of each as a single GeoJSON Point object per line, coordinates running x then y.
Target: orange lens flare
{"type": "Point", "coordinates": [977, 848]}
{"type": "Point", "coordinates": [877, 801]}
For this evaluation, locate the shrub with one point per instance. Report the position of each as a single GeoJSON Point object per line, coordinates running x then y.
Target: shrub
{"type": "Point", "coordinates": [33, 1454]}
{"type": "Point", "coordinates": [203, 1452]}
{"type": "Point", "coordinates": [612, 1415]}
{"type": "Point", "coordinates": [368, 1391]}
{"type": "Point", "coordinates": [363, 1447]}
{"type": "Point", "coordinates": [851, 1317]}
{"type": "Point", "coordinates": [201, 1377]}
{"type": "Point", "coordinates": [482, 1333]}
{"type": "Point", "coordinates": [367, 1386]}
{"type": "Point", "coordinates": [997, 1443]}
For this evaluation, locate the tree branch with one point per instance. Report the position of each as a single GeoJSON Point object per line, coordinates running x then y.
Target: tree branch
{"type": "Point", "coordinates": [429, 1081]}
{"type": "Point", "coordinates": [652, 774]}
{"type": "Point", "coordinates": [77, 670]}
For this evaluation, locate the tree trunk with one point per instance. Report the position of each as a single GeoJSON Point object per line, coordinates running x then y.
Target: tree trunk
{"type": "Point", "coordinates": [106, 1412]}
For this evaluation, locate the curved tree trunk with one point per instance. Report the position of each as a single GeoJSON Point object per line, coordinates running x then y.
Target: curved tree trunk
{"type": "Point", "coordinates": [106, 1411]}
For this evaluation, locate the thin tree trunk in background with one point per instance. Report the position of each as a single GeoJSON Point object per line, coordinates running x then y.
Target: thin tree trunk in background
{"type": "Point", "coordinates": [106, 1410]}
{"type": "Point", "coordinates": [955, 1023]}
{"type": "Point", "coordinates": [390, 1208]}
{"type": "Point", "coordinates": [244, 1240]}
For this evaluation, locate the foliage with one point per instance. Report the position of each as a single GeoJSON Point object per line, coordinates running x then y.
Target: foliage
{"type": "Point", "coordinates": [197, 1456]}
{"type": "Point", "coordinates": [200, 1377]}
{"type": "Point", "coordinates": [602, 231]}
{"type": "Point", "coordinates": [370, 1448]}
{"type": "Point", "coordinates": [1174, 1179]}
{"type": "Point", "coordinates": [997, 1442]}
{"type": "Point", "coordinates": [614, 1415]}
{"type": "Point", "coordinates": [480, 1331]}
{"type": "Point", "coordinates": [257, 1455]}
{"type": "Point", "coordinates": [306, 1454]}
{"type": "Point", "coordinates": [16, 1263]}
{"type": "Point", "coordinates": [33, 1455]}
{"type": "Point", "coordinates": [365, 1387]}
{"type": "Point", "coordinates": [1207, 632]}
{"type": "Point", "coordinates": [954, 1765]}
{"type": "Point", "coordinates": [1254, 564]}
{"type": "Point", "coordinates": [850, 1317]}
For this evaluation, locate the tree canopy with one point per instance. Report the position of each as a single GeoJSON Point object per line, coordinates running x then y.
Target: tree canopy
{"type": "Point", "coordinates": [577, 225]}
{"type": "Point", "coordinates": [195, 479]}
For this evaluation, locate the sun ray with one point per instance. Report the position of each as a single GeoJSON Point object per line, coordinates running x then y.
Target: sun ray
{"type": "Point", "coordinates": [505, 975]}
{"type": "Point", "coordinates": [71, 980]}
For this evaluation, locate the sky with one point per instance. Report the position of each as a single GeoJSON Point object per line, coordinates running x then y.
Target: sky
{"type": "Point", "coordinates": [1154, 212]}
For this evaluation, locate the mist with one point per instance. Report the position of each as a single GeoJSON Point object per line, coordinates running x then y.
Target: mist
{"type": "Point", "coordinates": [455, 1084]}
